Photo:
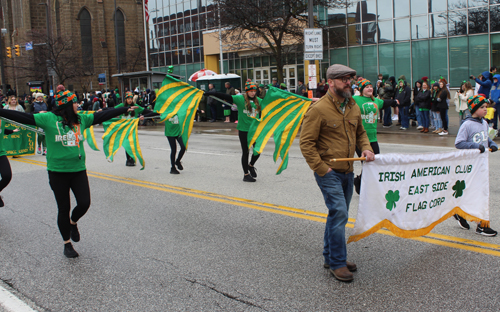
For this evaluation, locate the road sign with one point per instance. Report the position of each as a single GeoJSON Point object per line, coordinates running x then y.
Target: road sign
{"type": "Point", "coordinates": [313, 44]}
{"type": "Point", "coordinates": [102, 79]}
{"type": "Point", "coordinates": [29, 46]}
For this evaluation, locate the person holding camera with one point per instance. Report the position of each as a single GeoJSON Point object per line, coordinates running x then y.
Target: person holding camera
{"type": "Point", "coordinates": [485, 83]}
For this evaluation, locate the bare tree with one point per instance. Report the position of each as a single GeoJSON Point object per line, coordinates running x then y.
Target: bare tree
{"type": "Point", "coordinates": [136, 58]}
{"type": "Point", "coordinates": [55, 55]}
{"type": "Point", "coordinates": [274, 27]}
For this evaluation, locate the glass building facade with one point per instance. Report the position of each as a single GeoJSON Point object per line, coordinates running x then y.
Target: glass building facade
{"type": "Point", "coordinates": [449, 38]}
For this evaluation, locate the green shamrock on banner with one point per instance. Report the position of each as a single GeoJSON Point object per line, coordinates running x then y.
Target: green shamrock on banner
{"type": "Point", "coordinates": [459, 188]}
{"type": "Point", "coordinates": [392, 198]}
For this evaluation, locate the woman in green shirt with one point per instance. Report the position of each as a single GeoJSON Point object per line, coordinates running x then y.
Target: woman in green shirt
{"type": "Point", "coordinates": [66, 158]}
{"type": "Point", "coordinates": [369, 107]}
{"type": "Point", "coordinates": [248, 112]}
{"type": "Point", "coordinates": [129, 102]}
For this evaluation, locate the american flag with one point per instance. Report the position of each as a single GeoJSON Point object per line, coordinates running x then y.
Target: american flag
{"type": "Point", "coordinates": [146, 11]}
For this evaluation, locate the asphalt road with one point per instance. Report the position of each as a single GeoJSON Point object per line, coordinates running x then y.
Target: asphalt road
{"type": "Point", "coordinates": [206, 241]}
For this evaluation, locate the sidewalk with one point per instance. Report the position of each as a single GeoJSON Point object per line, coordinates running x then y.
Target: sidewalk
{"type": "Point", "coordinates": [452, 127]}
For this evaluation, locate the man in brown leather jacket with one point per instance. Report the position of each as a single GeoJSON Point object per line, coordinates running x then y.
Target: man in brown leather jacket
{"type": "Point", "coordinates": [332, 128]}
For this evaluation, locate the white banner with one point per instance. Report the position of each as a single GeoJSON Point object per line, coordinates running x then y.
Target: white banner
{"type": "Point", "coordinates": [409, 194]}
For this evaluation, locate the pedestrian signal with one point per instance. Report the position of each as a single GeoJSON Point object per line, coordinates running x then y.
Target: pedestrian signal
{"type": "Point", "coordinates": [9, 52]}
{"type": "Point", "coordinates": [17, 48]}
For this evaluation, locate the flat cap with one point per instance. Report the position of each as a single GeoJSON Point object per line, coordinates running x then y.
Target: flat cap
{"type": "Point", "coordinates": [339, 70]}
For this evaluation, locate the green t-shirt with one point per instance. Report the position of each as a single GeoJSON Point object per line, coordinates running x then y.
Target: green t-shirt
{"type": "Point", "coordinates": [369, 114]}
{"type": "Point", "coordinates": [245, 118]}
{"type": "Point", "coordinates": [64, 152]}
{"type": "Point", "coordinates": [2, 134]}
{"type": "Point", "coordinates": [172, 127]}
{"type": "Point", "coordinates": [137, 111]}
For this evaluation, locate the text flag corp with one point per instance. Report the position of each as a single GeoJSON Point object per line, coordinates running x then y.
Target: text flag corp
{"type": "Point", "coordinates": [409, 194]}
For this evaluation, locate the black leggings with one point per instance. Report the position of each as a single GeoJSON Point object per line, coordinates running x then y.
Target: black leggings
{"type": "Point", "coordinates": [61, 183]}
{"type": "Point", "coordinates": [5, 172]}
{"type": "Point", "coordinates": [173, 149]}
{"type": "Point", "coordinates": [375, 148]}
{"type": "Point", "coordinates": [442, 112]}
{"type": "Point", "coordinates": [243, 135]}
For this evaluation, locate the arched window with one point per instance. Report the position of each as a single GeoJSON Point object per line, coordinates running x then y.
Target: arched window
{"type": "Point", "coordinates": [86, 35]}
{"type": "Point", "coordinates": [120, 32]}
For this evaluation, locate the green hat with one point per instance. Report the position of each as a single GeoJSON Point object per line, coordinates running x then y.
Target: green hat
{"type": "Point", "coordinates": [65, 99]}
{"type": "Point", "coordinates": [283, 85]}
{"type": "Point", "coordinates": [262, 86]}
{"type": "Point", "coordinates": [476, 101]}
{"type": "Point", "coordinates": [362, 84]}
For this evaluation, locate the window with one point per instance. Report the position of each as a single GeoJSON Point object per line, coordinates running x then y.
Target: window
{"type": "Point", "coordinates": [495, 50]}
{"type": "Point", "coordinates": [384, 9]}
{"type": "Point", "coordinates": [337, 37]}
{"type": "Point", "coordinates": [478, 55]}
{"type": "Point", "coordinates": [402, 29]}
{"type": "Point", "coordinates": [354, 33]}
{"type": "Point", "coordinates": [86, 37]}
{"type": "Point", "coordinates": [438, 25]}
{"type": "Point", "coordinates": [370, 69]}
{"type": "Point", "coordinates": [456, 4]}
{"type": "Point", "coordinates": [476, 3]}
{"type": "Point", "coordinates": [401, 60]}
{"type": "Point", "coordinates": [385, 33]}
{"type": "Point", "coordinates": [420, 59]}
{"type": "Point", "coordinates": [438, 58]}
{"type": "Point", "coordinates": [478, 20]}
{"type": "Point", "coordinates": [339, 56]}
{"type": "Point", "coordinates": [418, 7]}
{"type": "Point", "coordinates": [356, 60]}
{"type": "Point", "coordinates": [438, 6]}
{"type": "Point", "coordinates": [495, 18]}
{"type": "Point", "coordinates": [419, 28]}
{"type": "Point", "coordinates": [401, 8]}
{"type": "Point", "coordinates": [386, 59]}
{"type": "Point", "coordinates": [120, 31]}
{"type": "Point", "coordinates": [337, 16]}
{"type": "Point", "coordinates": [459, 60]}
{"type": "Point", "coordinates": [457, 23]}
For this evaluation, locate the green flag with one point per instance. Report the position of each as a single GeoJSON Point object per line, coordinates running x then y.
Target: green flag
{"type": "Point", "coordinates": [282, 114]}
{"type": "Point", "coordinates": [122, 132]}
{"type": "Point", "coordinates": [88, 133]}
{"type": "Point", "coordinates": [19, 143]}
{"type": "Point", "coordinates": [178, 98]}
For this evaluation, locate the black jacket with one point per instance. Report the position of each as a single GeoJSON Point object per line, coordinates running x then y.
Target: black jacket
{"type": "Point", "coordinates": [423, 99]}
{"type": "Point", "coordinates": [403, 95]}
{"type": "Point", "coordinates": [416, 90]}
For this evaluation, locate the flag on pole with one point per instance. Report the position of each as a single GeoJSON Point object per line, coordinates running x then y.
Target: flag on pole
{"type": "Point", "coordinates": [409, 194]}
{"type": "Point", "coordinates": [122, 132]}
{"type": "Point", "coordinates": [282, 114]}
{"type": "Point", "coordinates": [88, 133]}
{"type": "Point", "coordinates": [178, 98]}
{"type": "Point", "coordinates": [146, 10]}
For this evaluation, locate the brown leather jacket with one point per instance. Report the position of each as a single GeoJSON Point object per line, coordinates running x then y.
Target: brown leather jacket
{"type": "Point", "coordinates": [328, 133]}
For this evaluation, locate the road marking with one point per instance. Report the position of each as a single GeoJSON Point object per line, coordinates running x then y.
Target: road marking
{"type": "Point", "coordinates": [431, 238]}
{"type": "Point", "coordinates": [11, 303]}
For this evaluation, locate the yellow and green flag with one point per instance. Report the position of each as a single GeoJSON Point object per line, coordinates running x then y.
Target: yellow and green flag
{"type": "Point", "coordinates": [178, 98]}
{"type": "Point", "coordinates": [282, 114]}
{"type": "Point", "coordinates": [122, 132]}
{"type": "Point", "coordinates": [88, 133]}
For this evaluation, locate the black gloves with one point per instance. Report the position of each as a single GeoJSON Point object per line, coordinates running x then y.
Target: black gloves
{"type": "Point", "coordinates": [481, 148]}
{"type": "Point", "coordinates": [493, 148]}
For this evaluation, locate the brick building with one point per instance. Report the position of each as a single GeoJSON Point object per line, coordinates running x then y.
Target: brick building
{"type": "Point", "coordinates": [84, 30]}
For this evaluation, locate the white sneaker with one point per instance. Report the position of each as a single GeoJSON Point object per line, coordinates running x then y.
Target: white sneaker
{"type": "Point", "coordinates": [444, 132]}
{"type": "Point", "coordinates": [402, 128]}
{"type": "Point", "coordinates": [395, 117]}
{"type": "Point", "coordinates": [420, 127]}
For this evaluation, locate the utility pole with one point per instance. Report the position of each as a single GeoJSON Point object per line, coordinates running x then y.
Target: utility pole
{"type": "Point", "coordinates": [2, 68]}
{"type": "Point", "coordinates": [116, 43]}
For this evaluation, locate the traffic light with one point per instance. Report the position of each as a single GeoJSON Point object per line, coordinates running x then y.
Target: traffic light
{"type": "Point", "coordinates": [17, 48]}
{"type": "Point", "coordinates": [9, 52]}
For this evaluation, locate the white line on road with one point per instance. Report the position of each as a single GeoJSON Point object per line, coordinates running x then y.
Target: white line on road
{"type": "Point", "coordinates": [11, 303]}
{"type": "Point", "coordinates": [193, 152]}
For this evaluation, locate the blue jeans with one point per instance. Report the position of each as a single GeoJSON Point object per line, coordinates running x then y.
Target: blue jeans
{"type": "Point", "coordinates": [387, 116]}
{"type": "Point", "coordinates": [418, 114]}
{"type": "Point", "coordinates": [424, 115]}
{"type": "Point", "coordinates": [337, 192]}
{"type": "Point", "coordinates": [436, 117]}
{"type": "Point", "coordinates": [405, 121]}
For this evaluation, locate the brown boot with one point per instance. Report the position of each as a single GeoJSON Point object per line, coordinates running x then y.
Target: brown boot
{"type": "Point", "coordinates": [351, 266]}
{"type": "Point", "coordinates": [426, 130]}
{"type": "Point", "coordinates": [342, 274]}
{"type": "Point", "coordinates": [423, 129]}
